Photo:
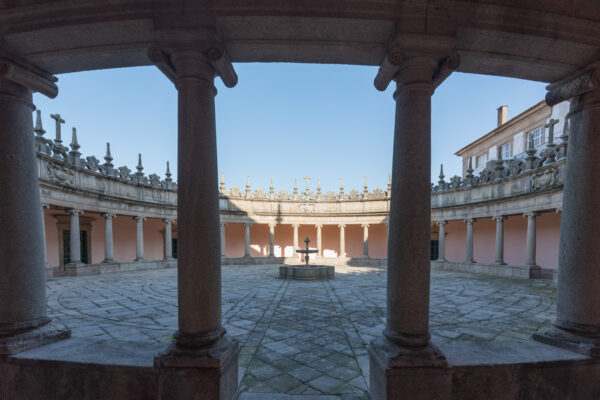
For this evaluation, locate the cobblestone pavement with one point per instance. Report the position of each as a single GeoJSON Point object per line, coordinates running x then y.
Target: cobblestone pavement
{"type": "Point", "coordinates": [301, 337]}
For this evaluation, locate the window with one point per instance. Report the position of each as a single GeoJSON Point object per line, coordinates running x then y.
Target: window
{"type": "Point", "coordinates": [435, 248]}
{"type": "Point", "coordinates": [481, 160]}
{"type": "Point", "coordinates": [506, 150]}
{"type": "Point", "coordinates": [67, 247]}
{"type": "Point", "coordinates": [538, 137]}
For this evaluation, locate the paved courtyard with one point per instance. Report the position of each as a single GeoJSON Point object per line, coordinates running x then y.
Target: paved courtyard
{"type": "Point", "coordinates": [301, 337]}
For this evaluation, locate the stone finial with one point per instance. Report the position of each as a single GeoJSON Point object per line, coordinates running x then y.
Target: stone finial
{"type": "Point", "coordinates": [365, 187]}
{"type": "Point", "coordinates": [389, 184]}
{"type": "Point", "coordinates": [530, 144]}
{"type": "Point", "coordinates": [248, 186]}
{"type": "Point", "coordinates": [441, 182]}
{"type": "Point", "coordinates": [530, 159]}
{"type": "Point", "coordinates": [499, 153]}
{"type": "Point", "coordinates": [307, 179]}
{"type": "Point", "coordinates": [39, 130]}
{"type": "Point", "coordinates": [139, 167]}
{"type": "Point", "coordinates": [108, 157]}
{"type": "Point", "coordinates": [564, 139]}
{"type": "Point", "coordinates": [271, 187]}
{"type": "Point", "coordinates": [74, 144]}
{"type": "Point", "coordinates": [341, 186]}
{"type": "Point", "coordinates": [469, 176]}
{"type": "Point", "coordinates": [295, 187]}
{"type": "Point", "coordinates": [168, 174]}
{"type": "Point", "coordinates": [59, 121]}
{"type": "Point", "coordinates": [318, 187]}
{"type": "Point", "coordinates": [221, 183]}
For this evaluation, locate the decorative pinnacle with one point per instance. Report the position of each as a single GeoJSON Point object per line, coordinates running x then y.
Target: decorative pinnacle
{"type": "Point", "coordinates": [59, 121]}
{"type": "Point", "coordinates": [307, 178]}
{"type": "Point", "coordinates": [271, 188]}
{"type": "Point", "coordinates": [499, 153]}
{"type": "Point", "coordinates": [248, 184]}
{"type": "Point", "coordinates": [531, 144]}
{"type": "Point", "coordinates": [168, 174]}
{"type": "Point", "coordinates": [140, 167]}
{"type": "Point", "coordinates": [221, 184]}
{"type": "Point", "coordinates": [441, 173]}
{"type": "Point", "coordinates": [389, 186]}
{"type": "Point", "coordinates": [565, 129]}
{"type": "Point", "coordinates": [365, 187]}
{"type": "Point", "coordinates": [74, 145]}
{"type": "Point", "coordinates": [318, 186]}
{"type": "Point", "coordinates": [295, 186]}
{"type": "Point", "coordinates": [341, 185]}
{"type": "Point", "coordinates": [39, 130]}
{"type": "Point", "coordinates": [108, 158]}
{"type": "Point", "coordinates": [470, 167]}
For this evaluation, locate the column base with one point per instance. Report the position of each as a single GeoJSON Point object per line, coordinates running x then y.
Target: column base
{"type": "Point", "coordinates": [138, 260]}
{"type": "Point", "coordinates": [390, 364]}
{"type": "Point", "coordinates": [72, 268]}
{"type": "Point", "coordinates": [535, 271]}
{"type": "Point", "coordinates": [499, 263]}
{"type": "Point", "coordinates": [587, 345]}
{"type": "Point", "coordinates": [202, 373]}
{"type": "Point", "coordinates": [108, 261]}
{"type": "Point", "coordinates": [31, 339]}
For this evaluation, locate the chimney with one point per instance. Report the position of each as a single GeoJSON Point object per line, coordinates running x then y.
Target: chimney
{"type": "Point", "coordinates": [502, 111]}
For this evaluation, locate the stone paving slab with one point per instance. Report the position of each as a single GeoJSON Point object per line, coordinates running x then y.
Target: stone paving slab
{"type": "Point", "coordinates": [303, 339]}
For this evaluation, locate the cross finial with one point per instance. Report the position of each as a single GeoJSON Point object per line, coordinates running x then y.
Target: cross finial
{"type": "Point", "coordinates": [307, 178]}
{"type": "Point", "coordinates": [550, 126]}
{"type": "Point", "coordinates": [59, 121]}
{"type": "Point", "coordinates": [140, 167]}
{"type": "Point", "coordinates": [39, 130]}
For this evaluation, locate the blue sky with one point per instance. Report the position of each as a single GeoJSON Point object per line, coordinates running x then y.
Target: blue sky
{"type": "Point", "coordinates": [282, 121]}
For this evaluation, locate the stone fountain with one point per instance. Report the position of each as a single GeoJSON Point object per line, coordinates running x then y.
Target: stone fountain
{"type": "Point", "coordinates": [306, 271]}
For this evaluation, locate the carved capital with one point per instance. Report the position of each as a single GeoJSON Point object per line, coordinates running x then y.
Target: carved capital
{"type": "Point", "coordinates": [296, 226]}
{"type": "Point", "coordinates": [139, 218]}
{"type": "Point", "coordinates": [580, 82]}
{"type": "Point", "coordinates": [108, 215]}
{"type": "Point", "coordinates": [318, 226]}
{"type": "Point", "coordinates": [531, 214]}
{"type": "Point", "coordinates": [45, 206]}
{"type": "Point", "coordinates": [247, 224]}
{"type": "Point", "coordinates": [499, 218]}
{"type": "Point", "coordinates": [342, 226]}
{"type": "Point", "coordinates": [74, 211]}
{"type": "Point", "coordinates": [365, 225]}
{"type": "Point", "coordinates": [272, 225]}
{"type": "Point", "coordinates": [27, 75]}
{"type": "Point", "coordinates": [169, 221]}
{"type": "Point", "coordinates": [470, 220]}
{"type": "Point", "coordinates": [441, 222]}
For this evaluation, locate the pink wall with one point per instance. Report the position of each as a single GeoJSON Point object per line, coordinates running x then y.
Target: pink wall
{"type": "Point", "coordinates": [330, 240]}
{"type": "Point", "coordinates": [484, 240]}
{"type": "Point", "coordinates": [234, 240]}
{"type": "Point", "coordinates": [259, 240]}
{"type": "Point", "coordinates": [354, 241]}
{"type": "Point", "coordinates": [52, 253]}
{"type": "Point", "coordinates": [456, 232]}
{"type": "Point", "coordinates": [515, 239]}
{"type": "Point", "coordinates": [284, 241]}
{"type": "Point", "coordinates": [154, 239]}
{"type": "Point", "coordinates": [97, 238]}
{"type": "Point", "coordinates": [378, 241]}
{"type": "Point", "coordinates": [547, 237]}
{"type": "Point", "coordinates": [124, 238]}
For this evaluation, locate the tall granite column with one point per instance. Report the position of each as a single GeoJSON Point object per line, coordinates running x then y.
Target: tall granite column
{"type": "Point", "coordinates": [222, 235]}
{"type": "Point", "coordinates": [442, 240]}
{"type": "Point", "coordinates": [202, 363]}
{"type": "Point", "coordinates": [74, 237]}
{"type": "Point", "coordinates": [534, 269]}
{"type": "Point", "coordinates": [272, 240]}
{"type": "Point", "coordinates": [247, 239]}
{"type": "Point", "coordinates": [577, 324]}
{"type": "Point", "coordinates": [365, 240]}
{"type": "Point", "coordinates": [342, 240]}
{"type": "Point", "coordinates": [168, 238]}
{"type": "Point", "coordinates": [469, 240]}
{"type": "Point", "coordinates": [295, 226]}
{"type": "Point", "coordinates": [44, 207]}
{"type": "Point", "coordinates": [139, 238]}
{"type": "Point", "coordinates": [23, 319]}
{"type": "Point", "coordinates": [499, 239]}
{"type": "Point", "coordinates": [108, 238]}
{"type": "Point", "coordinates": [406, 334]}
{"type": "Point", "coordinates": [319, 248]}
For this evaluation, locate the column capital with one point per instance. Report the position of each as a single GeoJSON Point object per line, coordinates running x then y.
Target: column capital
{"type": "Point", "coordinates": [470, 220]}
{"type": "Point", "coordinates": [74, 211]}
{"type": "Point", "coordinates": [139, 218]}
{"type": "Point", "coordinates": [499, 217]}
{"type": "Point", "coordinates": [531, 214]}
{"type": "Point", "coordinates": [168, 220]}
{"type": "Point", "coordinates": [45, 206]}
{"type": "Point", "coordinates": [342, 226]}
{"type": "Point", "coordinates": [247, 224]}
{"type": "Point", "coordinates": [441, 222]}
{"type": "Point", "coordinates": [107, 215]}
{"type": "Point", "coordinates": [295, 225]}
{"type": "Point", "coordinates": [575, 84]}
{"type": "Point", "coordinates": [272, 224]}
{"type": "Point", "coordinates": [365, 225]}
{"type": "Point", "coordinates": [222, 224]}
{"type": "Point", "coordinates": [318, 226]}
{"type": "Point", "coordinates": [27, 75]}
{"type": "Point", "coordinates": [198, 60]}
{"type": "Point", "coordinates": [558, 210]}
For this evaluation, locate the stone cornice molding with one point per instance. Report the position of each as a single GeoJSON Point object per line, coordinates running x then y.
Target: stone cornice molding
{"type": "Point", "coordinates": [579, 82]}
{"type": "Point", "coordinates": [27, 75]}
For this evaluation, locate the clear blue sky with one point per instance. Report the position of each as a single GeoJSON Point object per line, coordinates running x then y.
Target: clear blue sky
{"type": "Point", "coordinates": [283, 121]}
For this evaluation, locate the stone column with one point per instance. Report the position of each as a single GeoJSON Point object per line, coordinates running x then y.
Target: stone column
{"type": "Point", "coordinates": [406, 341]}
{"type": "Point", "coordinates": [75, 237]}
{"type": "Point", "coordinates": [577, 324]}
{"type": "Point", "coordinates": [168, 238]}
{"type": "Point", "coordinates": [500, 239]}
{"type": "Point", "coordinates": [342, 240]}
{"type": "Point", "coordinates": [108, 238]}
{"type": "Point", "coordinates": [202, 363]}
{"type": "Point", "coordinates": [531, 238]}
{"type": "Point", "coordinates": [222, 233]}
{"type": "Point", "coordinates": [139, 238]}
{"type": "Point", "coordinates": [23, 319]}
{"type": "Point", "coordinates": [295, 226]}
{"type": "Point", "coordinates": [44, 207]}
{"type": "Point", "coordinates": [442, 241]}
{"type": "Point", "coordinates": [469, 245]}
{"type": "Point", "coordinates": [365, 240]}
{"type": "Point", "coordinates": [272, 240]}
{"type": "Point", "coordinates": [319, 249]}
{"type": "Point", "coordinates": [247, 240]}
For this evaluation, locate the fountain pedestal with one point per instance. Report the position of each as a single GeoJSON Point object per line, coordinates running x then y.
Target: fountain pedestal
{"type": "Point", "coordinates": [306, 272]}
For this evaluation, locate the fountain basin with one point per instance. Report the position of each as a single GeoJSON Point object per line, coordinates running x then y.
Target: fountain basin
{"type": "Point", "coordinates": [306, 272]}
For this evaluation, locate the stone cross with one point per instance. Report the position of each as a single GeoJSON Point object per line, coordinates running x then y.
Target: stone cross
{"type": "Point", "coordinates": [59, 121]}
{"type": "Point", "coordinates": [307, 178]}
{"type": "Point", "coordinates": [550, 126]}
{"type": "Point", "coordinates": [306, 251]}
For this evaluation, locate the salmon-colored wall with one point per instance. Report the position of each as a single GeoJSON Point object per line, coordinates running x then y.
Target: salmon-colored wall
{"type": "Point", "coordinates": [378, 241]}
{"type": "Point", "coordinates": [154, 239]}
{"type": "Point", "coordinates": [456, 232]}
{"type": "Point", "coordinates": [284, 241]}
{"type": "Point", "coordinates": [259, 240]}
{"type": "Point", "coordinates": [515, 239]}
{"type": "Point", "coordinates": [97, 238]}
{"type": "Point", "coordinates": [354, 241]}
{"type": "Point", "coordinates": [124, 228]}
{"type": "Point", "coordinates": [234, 240]}
{"type": "Point", "coordinates": [547, 237]}
{"type": "Point", "coordinates": [52, 255]}
{"type": "Point", "coordinates": [484, 240]}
